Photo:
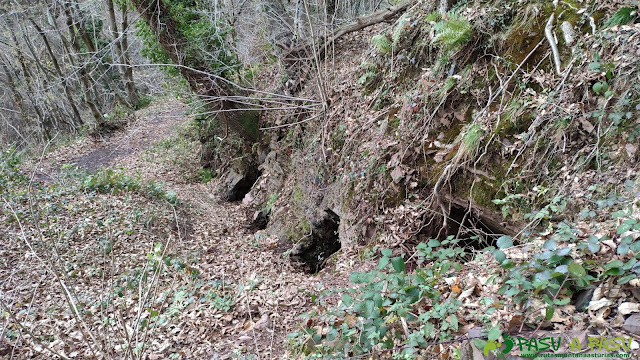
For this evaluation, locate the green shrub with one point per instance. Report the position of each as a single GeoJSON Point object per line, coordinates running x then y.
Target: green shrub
{"type": "Point", "coordinates": [368, 317]}
{"type": "Point", "coordinates": [10, 175]}
{"type": "Point", "coordinates": [115, 180]}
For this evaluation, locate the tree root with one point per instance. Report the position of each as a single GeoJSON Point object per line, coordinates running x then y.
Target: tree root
{"type": "Point", "coordinates": [548, 32]}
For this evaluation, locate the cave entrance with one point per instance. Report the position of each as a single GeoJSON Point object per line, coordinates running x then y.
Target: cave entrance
{"type": "Point", "coordinates": [467, 225]}
{"type": "Point", "coordinates": [242, 185]}
{"type": "Point", "coordinates": [324, 242]}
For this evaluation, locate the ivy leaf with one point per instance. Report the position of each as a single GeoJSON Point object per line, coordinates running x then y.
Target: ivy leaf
{"type": "Point", "coordinates": [576, 270]}
{"type": "Point", "coordinates": [623, 249]}
{"type": "Point", "coordinates": [384, 261]}
{"type": "Point", "coordinates": [386, 252]}
{"type": "Point", "coordinates": [593, 244]}
{"type": "Point", "coordinates": [624, 227]}
{"type": "Point", "coordinates": [500, 256]}
{"type": "Point", "coordinates": [614, 264]}
{"type": "Point", "coordinates": [548, 314]}
{"type": "Point", "coordinates": [560, 270]}
{"type": "Point", "coordinates": [433, 243]}
{"type": "Point", "coordinates": [495, 333]}
{"type": "Point", "coordinates": [347, 300]}
{"type": "Point", "coordinates": [561, 302]}
{"type": "Point", "coordinates": [398, 264]}
{"type": "Point", "coordinates": [597, 87]}
{"type": "Point", "coordinates": [505, 242]}
{"type": "Point", "coordinates": [626, 279]}
{"type": "Point", "coordinates": [550, 244]}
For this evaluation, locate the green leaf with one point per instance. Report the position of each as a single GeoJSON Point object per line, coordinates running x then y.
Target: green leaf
{"type": "Point", "coordinates": [347, 300]}
{"type": "Point", "coordinates": [505, 242]}
{"type": "Point", "coordinates": [623, 249]}
{"type": "Point", "coordinates": [618, 214]}
{"type": "Point", "coordinates": [550, 244]}
{"type": "Point", "coordinates": [398, 264]}
{"type": "Point", "coordinates": [433, 243]}
{"type": "Point", "coordinates": [317, 337]}
{"type": "Point", "coordinates": [494, 333]}
{"type": "Point", "coordinates": [479, 343]}
{"type": "Point", "coordinates": [500, 256]}
{"type": "Point", "coordinates": [626, 279]}
{"type": "Point", "coordinates": [548, 314]}
{"type": "Point", "coordinates": [614, 264]}
{"type": "Point", "coordinates": [576, 270]}
{"type": "Point", "coordinates": [561, 302]}
{"type": "Point", "coordinates": [624, 227]}
{"type": "Point", "coordinates": [384, 261]}
{"type": "Point", "coordinates": [386, 252]}
{"type": "Point", "coordinates": [597, 87]}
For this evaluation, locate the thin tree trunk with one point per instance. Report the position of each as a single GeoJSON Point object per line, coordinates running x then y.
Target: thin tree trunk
{"type": "Point", "coordinates": [84, 77]}
{"type": "Point", "coordinates": [91, 47]}
{"type": "Point", "coordinates": [63, 78]}
{"type": "Point", "coordinates": [132, 93]}
{"type": "Point", "coordinates": [17, 97]}
{"type": "Point", "coordinates": [43, 121]}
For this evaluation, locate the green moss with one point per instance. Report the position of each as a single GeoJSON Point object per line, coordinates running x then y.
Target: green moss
{"type": "Point", "coordinates": [525, 34]}
{"type": "Point", "coordinates": [249, 122]}
{"type": "Point", "coordinates": [305, 226]}
{"type": "Point", "coordinates": [298, 197]}
{"type": "Point", "coordinates": [513, 121]}
{"type": "Point", "coordinates": [483, 194]}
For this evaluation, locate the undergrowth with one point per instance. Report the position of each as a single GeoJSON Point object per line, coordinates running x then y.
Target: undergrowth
{"type": "Point", "coordinates": [405, 312]}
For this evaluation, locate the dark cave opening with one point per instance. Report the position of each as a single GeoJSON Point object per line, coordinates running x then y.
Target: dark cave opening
{"type": "Point", "coordinates": [323, 242]}
{"type": "Point", "coordinates": [464, 224]}
{"type": "Point", "coordinates": [243, 185]}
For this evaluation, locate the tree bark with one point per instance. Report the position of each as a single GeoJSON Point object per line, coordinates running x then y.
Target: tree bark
{"type": "Point", "coordinates": [63, 78]}
{"type": "Point", "coordinates": [132, 93]}
{"type": "Point", "coordinates": [84, 77]}
{"type": "Point", "coordinates": [120, 45]}
{"type": "Point", "coordinates": [237, 116]}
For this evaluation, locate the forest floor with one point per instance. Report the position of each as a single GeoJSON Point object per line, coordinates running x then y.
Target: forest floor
{"type": "Point", "coordinates": [245, 295]}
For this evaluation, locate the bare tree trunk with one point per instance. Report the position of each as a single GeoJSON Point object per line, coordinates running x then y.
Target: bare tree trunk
{"type": "Point", "coordinates": [44, 123]}
{"type": "Point", "coordinates": [63, 78]}
{"type": "Point", "coordinates": [84, 77]}
{"type": "Point", "coordinates": [132, 93]}
{"type": "Point", "coordinates": [91, 47]}
{"type": "Point", "coordinates": [120, 46]}
{"type": "Point", "coordinates": [17, 97]}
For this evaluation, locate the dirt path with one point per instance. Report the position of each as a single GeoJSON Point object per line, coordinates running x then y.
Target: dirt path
{"type": "Point", "coordinates": [268, 293]}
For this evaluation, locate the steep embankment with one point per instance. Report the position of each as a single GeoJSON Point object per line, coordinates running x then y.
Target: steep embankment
{"type": "Point", "coordinates": [493, 149]}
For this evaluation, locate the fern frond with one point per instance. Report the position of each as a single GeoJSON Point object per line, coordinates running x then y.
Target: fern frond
{"type": "Point", "coordinates": [381, 43]}
{"type": "Point", "coordinates": [453, 32]}
{"type": "Point", "coordinates": [622, 17]}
